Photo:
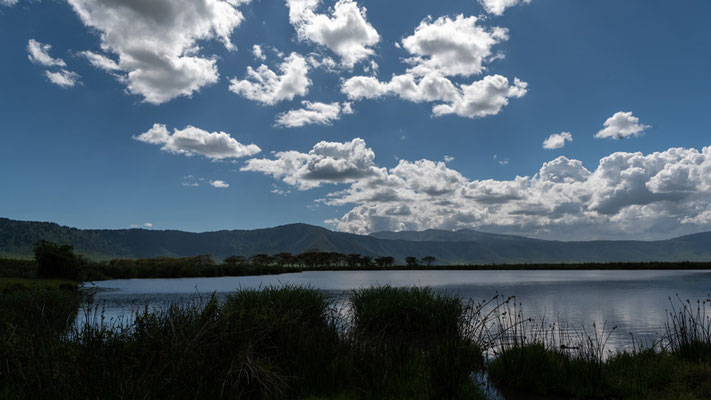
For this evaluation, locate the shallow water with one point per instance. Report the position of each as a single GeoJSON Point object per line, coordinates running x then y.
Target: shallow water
{"type": "Point", "coordinates": [634, 301]}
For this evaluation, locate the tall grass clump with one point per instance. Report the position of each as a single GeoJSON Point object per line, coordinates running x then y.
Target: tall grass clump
{"type": "Point", "coordinates": [34, 316]}
{"type": "Point", "coordinates": [688, 329]}
{"type": "Point", "coordinates": [413, 343]}
{"type": "Point", "coordinates": [547, 358]}
{"type": "Point", "coordinates": [274, 343]}
{"type": "Point", "coordinates": [532, 357]}
{"type": "Point", "coordinates": [293, 327]}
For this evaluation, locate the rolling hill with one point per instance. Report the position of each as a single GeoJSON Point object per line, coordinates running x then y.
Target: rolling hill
{"type": "Point", "coordinates": [458, 247]}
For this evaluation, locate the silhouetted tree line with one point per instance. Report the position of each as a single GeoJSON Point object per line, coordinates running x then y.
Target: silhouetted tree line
{"type": "Point", "coordinates": [59, 261]}
{"type": "Point", "coordinates": [318, 259]}
{"type": "Point", "coordinates": [313, 259]}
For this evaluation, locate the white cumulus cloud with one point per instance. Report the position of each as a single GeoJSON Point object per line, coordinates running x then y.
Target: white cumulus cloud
{"type": "Point", "coordinates": [481, 98]}
{"type": "Point", "coordinates": [100, 61]}
{"type": "Point", "coordinates": [451, 46]}
{"type": "Point", "coordinates": [557, 140]}
{"type": "Point", "coordinates": [326, 162]}
{"type": "Point", "coordinates": [219, 184]}
{"type": "Point", "coordinates": [313, 114]}
{"type": "Point", "coordinates": [268, 87]}
{"type": "Point", "coordinates": [191, 140]}
{"type": "Point", "coordinates": [441, 50]}
{"type": "Point", "coordinates": [627, 195]}
{"type": "Point", "coordinates": [478, 99]}
{"type": "Point", "coordinates": [258, 53]}
{"type": "Point", "coordinates": [156, 42]}
{"type": "Point", "coordinates": [38, 53]}
{"type": "Point", "coordinates": [63, 78]}
{"type": "Point", "coordinates": [345, 31]}
{"type": "Point", "coordinates": [622, 125]}
{"type": "Point", "coordinates": [497, 7]}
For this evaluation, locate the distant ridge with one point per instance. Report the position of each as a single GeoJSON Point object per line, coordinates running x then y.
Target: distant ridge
{"type": "Point", "coordinates": [463, 235]}
{"type": "Point", "coordinates": [448, 247]}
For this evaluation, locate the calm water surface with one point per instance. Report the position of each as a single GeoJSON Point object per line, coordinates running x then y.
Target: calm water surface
{"type": "Point", "coordinates": [635, 301]}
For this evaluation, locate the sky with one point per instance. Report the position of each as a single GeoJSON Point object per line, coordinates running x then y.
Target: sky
{"type": "Point", "coordinates": [568, 120]}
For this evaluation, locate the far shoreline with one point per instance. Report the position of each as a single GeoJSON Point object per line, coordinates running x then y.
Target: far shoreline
{"type": "Point", "coordinates": [616, 266]}
{"type": "Point", "coordinates": [652, 266]}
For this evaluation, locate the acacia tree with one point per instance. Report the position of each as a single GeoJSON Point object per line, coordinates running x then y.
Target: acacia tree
{"type": "Point", "coordinates": [385, 262]}
{"type": "Point", "coordinates": [411, 261]}
{"type": "Point", "coordinates": [428, 260]}
{"type": "Point", "coordinates": [366, 261]}
{"type": "Point", "coordinates": [283, 259]}
{"type": "Point", "coordinates": [262, 260]}
{"type": "Point", "coordinates": [353, 260]}
{"type": "Point", "coordinates": [236, 260]}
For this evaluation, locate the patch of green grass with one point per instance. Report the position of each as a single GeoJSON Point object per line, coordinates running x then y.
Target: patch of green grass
{"type": "Point", "coordinates": [37, 305]}
{"type": "Point", "coordinates": [412, 343]}
{"type": "Point", "coordinates": [15, 284]}
{"type": "Point", "coordinates": [18, 268]}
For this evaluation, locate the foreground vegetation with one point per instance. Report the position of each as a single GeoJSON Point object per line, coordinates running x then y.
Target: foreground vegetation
{"type": "Point", "coordinates": [295, 342]}
{"type": "Point", "coordinates": [274, 343]}
{"type": "Point", "coordinates": [547, 361]}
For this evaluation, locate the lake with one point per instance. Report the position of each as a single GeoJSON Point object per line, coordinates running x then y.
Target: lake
{"type": "Point", "coordinates": [634, 301]}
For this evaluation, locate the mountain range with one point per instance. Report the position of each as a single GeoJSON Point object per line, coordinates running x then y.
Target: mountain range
{"type": "Point", "coordinates": [448, 247]}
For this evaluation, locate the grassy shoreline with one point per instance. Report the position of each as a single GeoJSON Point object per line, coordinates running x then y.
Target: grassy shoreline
{"type": "Point", "coordinates": [290, 342]}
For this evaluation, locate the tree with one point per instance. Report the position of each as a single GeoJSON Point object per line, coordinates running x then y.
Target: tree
{"type": "Point", "coordinates": [57, 261]}
{"type": "Point", "coordinates": [284, 259]}
{"type": "Point", "coordinates": [262, 260]}
{"type": "Point", "coordinates": [353, 260]}
{"type": "Point", "coordinates": [411, 261]}
{"type": "Point", "coordinates": [366, 261]}
{"type": "Point", "coordinates": [236, 260]}
{"type": "Point", "coordinates": [428, 260]}
{"type": "Point", "coordinates": [384, 262]}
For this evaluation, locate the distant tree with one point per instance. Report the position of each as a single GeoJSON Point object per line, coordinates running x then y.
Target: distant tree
{"type": "Point", "coordinates": [384, 262]}
{"type": "Point", "coordinates": [339, 259]}
{"type": "Point", "coordinates": [353, 260]}
{"type": "Point", "coordinates": [310, 258]}
{"type": "Point", "coordinates": [323, 259]}
{"type": "Point", "coordinates": [366, 261]}
{"type": "Point", "coordinates": [284, 259]}
{"type": "Point", "coordinates": [236, 260]}
{"type": "Point", "coordinates": [262, 260]}
{"type": "Point", "coordinates": [428, 260]}
{"type": "Point", "coordinates": [57, 261]}
{"type": "Point", "coordinates": [201, 260]}
{"type": "Point", "coordinates": [411, 261]}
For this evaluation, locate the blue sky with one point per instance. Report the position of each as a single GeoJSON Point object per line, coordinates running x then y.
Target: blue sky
{"type": "Point", "coordinates": [111, 115]}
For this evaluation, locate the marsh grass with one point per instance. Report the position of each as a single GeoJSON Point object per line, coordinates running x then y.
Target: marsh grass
{"type": "Point", "coordinates": [423, 340]}
{"type": "Point", "coordinates": [271, 343]}
{"type": "Point", "coordinates": [18, 268]}
{"type": "Point", "coordinates": [290, 342]}
{"type": "Point", "coordinates": [553, 359]}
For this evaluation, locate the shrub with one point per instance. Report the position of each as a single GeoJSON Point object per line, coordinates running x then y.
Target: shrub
{"type": "Point", "coordinates": [55, 261]}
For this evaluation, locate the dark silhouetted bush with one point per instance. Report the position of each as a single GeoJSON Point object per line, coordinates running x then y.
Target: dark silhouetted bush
{"type": "Point", "coordinates": [57, 261]}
